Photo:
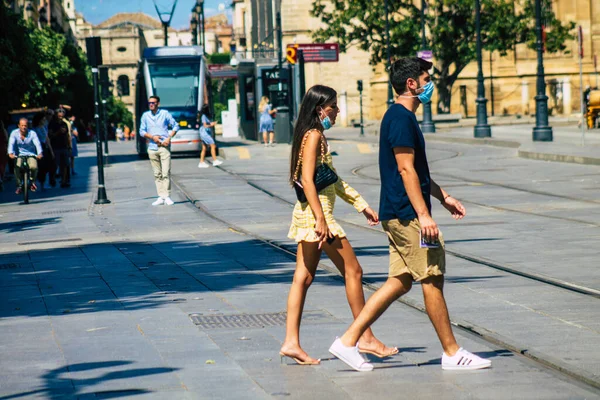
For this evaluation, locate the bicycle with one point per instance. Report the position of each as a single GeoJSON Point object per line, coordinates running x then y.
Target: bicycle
{"type": "Point", "coordinates": [26, 173]}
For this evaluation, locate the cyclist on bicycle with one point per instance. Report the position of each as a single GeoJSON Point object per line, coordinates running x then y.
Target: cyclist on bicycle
{"type": "Point", "coordinates": [24, 142]}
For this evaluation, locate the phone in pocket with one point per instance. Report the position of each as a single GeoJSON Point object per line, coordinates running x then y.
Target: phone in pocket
{"type": "Point", "coordinates": [424, 243]}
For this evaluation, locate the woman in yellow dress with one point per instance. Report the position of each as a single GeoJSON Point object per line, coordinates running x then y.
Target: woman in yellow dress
{"type": "Point", "coordinates": [314, 228]}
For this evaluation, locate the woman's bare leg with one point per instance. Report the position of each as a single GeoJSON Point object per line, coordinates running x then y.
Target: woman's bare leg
{"type": "Point", "coordinates": [307, 260]}
{"type": "Point", "coordinates": [343, 256]}
{"type": "Point", "coordinates": [271, 137]}
{"type": "Point", "coordinates": [265, 137]}
{"type": "Point", "coordinates": [213, 151]}
{"type": "Point", "coordinates": [202, 153]}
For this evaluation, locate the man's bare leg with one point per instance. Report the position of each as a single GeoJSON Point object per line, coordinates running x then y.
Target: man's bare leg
{"type": "Point", "coordinates": [435, 304]}
{"type": "Point", "coordinates": [391, 290]}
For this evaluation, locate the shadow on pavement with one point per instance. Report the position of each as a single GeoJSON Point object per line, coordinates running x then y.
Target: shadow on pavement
{"type": "Point", "coordinates": [135, 275]}
{"type": "Point", "coordinates": [63, 383]}
{"type": "Point", "coordinates": [27, 225]}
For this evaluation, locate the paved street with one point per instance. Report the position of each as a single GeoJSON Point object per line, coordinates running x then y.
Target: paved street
{"type": "Point", "coordinates": [123, 300]}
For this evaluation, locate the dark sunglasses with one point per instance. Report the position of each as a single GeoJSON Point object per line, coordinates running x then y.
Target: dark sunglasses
{"type": "Point", "coordinates": [152, 102]}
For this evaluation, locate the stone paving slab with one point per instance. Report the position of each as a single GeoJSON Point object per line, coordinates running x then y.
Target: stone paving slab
{"type": "Point", "coordinates": [128, 333]}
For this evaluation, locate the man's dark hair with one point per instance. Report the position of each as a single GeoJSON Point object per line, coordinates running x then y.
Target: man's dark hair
{"type": "Point", "coordinates": [155, 97]}
{"type": "Point", "coordinates": [405, 68]}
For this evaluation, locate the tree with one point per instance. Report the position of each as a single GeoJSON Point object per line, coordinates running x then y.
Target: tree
{"type": "Point", "coordinates": [117, 112]}
{"type": "Point", "coordinates": [17, 60]}
{"type": "Point", "coordinates": [451, 31]}
{"type": "Point", "coordinates": [53, 70]}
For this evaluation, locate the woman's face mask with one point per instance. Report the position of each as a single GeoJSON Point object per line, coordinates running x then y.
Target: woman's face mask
{"type": "Point", "coordinates": [325, 121]}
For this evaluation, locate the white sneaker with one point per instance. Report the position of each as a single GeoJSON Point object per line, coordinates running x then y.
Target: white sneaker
{"type": "Point", "coordinates": [203, 164]}
{"type": "Point", "coordinates": [350, 355]}
{"type": "Point", "coordinates": [464, 360]}
{"type": "Point", "coordinates": [168, 201]}
{"type": "Point", "coordinates": [216, 163]}
{"type": "Point", "coordinates": [159, 202]}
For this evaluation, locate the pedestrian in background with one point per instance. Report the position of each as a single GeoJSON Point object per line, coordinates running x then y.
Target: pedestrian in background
{"type": "Point", "coordinates": [59, 131]}
{"type": "Point", "coordinates": [47, 162]}
{"type": "Point", "coordinates": [416, 245]}
{"type": "Point", "coordinates": [127, 133]}
{"type": "Point", "coordinates": [206, 136]}
{"type": "Point", "coordinates": [154, 127]}
{"type": "Point", "coordinates": [74, 139]}
{"type": "Point", "coordinates": [314, 228]}
{"type": "Point", "coordinates": [3, 153]}
{"type": "Point", "coordinates": [120, 134]}
{"type": "Point", "coordinates": [266, 120]}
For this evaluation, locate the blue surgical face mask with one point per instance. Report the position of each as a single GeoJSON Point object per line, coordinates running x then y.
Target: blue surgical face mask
{"type": "Point", "coordinates": [326, 122]}
{"type": "Point", "coordinates": [425, 95]}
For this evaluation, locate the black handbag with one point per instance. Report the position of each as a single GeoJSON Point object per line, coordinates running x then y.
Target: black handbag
{"type": "Point", "coordinates": [324, 176]}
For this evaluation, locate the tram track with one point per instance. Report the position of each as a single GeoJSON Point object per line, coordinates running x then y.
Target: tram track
{"type": "Point", "coordinates": [540, 278]}
{"type": "Point", "coordinates": [467, 327]}
{"type": "Point", "coordinates": [357, 172]}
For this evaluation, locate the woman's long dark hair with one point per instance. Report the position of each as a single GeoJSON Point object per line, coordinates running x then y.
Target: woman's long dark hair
{"type": "Point", "coordinates": [205, 110]}
{"type": "Point", "coordinates": [316, 98]}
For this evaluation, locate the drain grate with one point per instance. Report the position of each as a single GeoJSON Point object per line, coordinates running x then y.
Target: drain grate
{"type": "Point", "coordinates": [9, 266]}
{"type": "Point", "coordinates": [72, 210]}
{"type": "Point", "coordinates": [256, 320]}
{"type": "Point", "coordinates": [50, 241]}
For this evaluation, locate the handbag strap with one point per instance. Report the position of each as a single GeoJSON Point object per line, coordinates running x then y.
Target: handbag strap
{"type": "Point", "coordinates": [302, 152]}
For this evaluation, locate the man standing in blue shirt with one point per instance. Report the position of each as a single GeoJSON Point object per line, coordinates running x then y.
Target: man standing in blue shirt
{"type": "Point", "coordinates": [154, 126]}
{"type": "Point", "coordinates": [24, 142]}
{"type": "Point", "coordinates": [416, 245]}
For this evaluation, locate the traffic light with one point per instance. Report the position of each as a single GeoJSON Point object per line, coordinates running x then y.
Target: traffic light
{"type": "Point", "coordinates": [359, 84]}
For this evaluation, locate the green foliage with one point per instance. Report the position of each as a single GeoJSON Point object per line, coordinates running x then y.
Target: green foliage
{"type": "Point", "coordinates": [117, 112]}
{"type": "Point", "coordinates": [39, 68]}
{"type": "Point", "coordinates": [219, 107]}
{"type": "Point", "coordinates": [450, 26]}
{"type": "Point", "coordinates": [17, 60]}
{"type": "Point", "coordinates": [219, 58]}
{"type": "Point", "coordinates": [47, 85]}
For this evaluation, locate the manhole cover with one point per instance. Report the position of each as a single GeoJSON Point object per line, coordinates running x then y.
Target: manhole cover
{"type": "Point", "coordinates": [256, 320]}
{"type": "Point", "coordinates": [9, 266]}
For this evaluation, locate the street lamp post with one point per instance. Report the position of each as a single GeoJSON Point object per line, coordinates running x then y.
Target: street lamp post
{"type": "Point", "coordinates": [541, 131]}
{"type": "Point", "coordinates": [194, 26]}
{"type": "Point", "coordinates": [427, 126]}
{"type": "Point", "coordinates": [199, 10]}
{"type": "Point", "coordinates": [389, 53]}
{"type": "Point", "coordinates": [165, 19]}
{"type": "Point", "coordinates": [482, 129]}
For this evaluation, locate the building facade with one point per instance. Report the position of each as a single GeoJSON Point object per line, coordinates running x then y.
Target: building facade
{"type": "Point", "coordinates": [124, 36]}
{"type": "Point", "coordinates": [513, 77]}
{"type": "Point", "coordinates": [56, 14]}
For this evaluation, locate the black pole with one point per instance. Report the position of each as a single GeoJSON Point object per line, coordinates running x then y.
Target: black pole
{"type": "Point", "coordinates": [491, 84]}
{"type": "Point", "coordinates": [101, 199]}
{"type": "Point", "coordinates": [302, 83]}
{"type": "Point", "coordinates": [105, 130]}
{"type": "Point", "coordinates": [104, 85]}
{"type": "Point", "coordinates": [166, 28]}
{"type": "Point", "coordinates": [362, 127]}
{"type": "Point", "coordinates": [389, 53]}
{"type": "Point", "coordinates": [482, 129]}
{"type": "Point", "coordinates": [541, 131]}
{"type": "Point", "coordinates": [427, 126]}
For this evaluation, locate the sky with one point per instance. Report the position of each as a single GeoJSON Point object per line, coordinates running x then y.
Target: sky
{"type": "Point", "coordinates": [96, 11]}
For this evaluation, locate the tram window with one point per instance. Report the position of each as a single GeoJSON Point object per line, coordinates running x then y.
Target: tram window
{"type": "Point", "coordinates": [176, 84]}
{"type": "Point", "coordinates": [250, 102]}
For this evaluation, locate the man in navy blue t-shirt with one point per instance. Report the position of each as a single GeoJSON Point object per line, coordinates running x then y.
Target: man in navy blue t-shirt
{"type": "Point", "coordinates": [416, 244]}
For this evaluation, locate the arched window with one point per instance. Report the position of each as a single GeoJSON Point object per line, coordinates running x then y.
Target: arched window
{"type": "Point", "coordinates": [123, 85]}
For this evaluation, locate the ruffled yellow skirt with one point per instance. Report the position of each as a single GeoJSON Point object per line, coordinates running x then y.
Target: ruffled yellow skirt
{"type": "Point", "coordinates": [303, 224]}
